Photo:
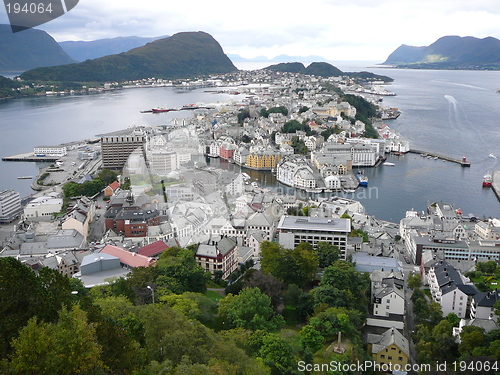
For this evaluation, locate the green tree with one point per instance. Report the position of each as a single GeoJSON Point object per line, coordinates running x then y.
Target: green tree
{"type": "Point", "coordinates": [181, 273]}
{"type": "Point", "coordinates": [67, 347]}
{"type": "Point", "coordinates": [251, 310]}
{"type": "Point", "coordinates": [268, 285]}
{"type": "Point", "coordinates": [414, 281]}
{"type": "Point", "coordinates": [453, 319]}
{"type": "Point", "coordinates": [471, 337]}
{"type": "Point", "coordinates": [277, 354]}
{"type": "Point", "coordinates": [108, 176]}
{"type": "Point", "coordinates": [299, 146]}
{"type": "Point", "coordinates": [292, 266]}
{"type": "Point", "coordinates": [327, 253]}
{"type": "Point", "coordinates": [242, 115]}
{"type": "Point", "coordinates": [343, 276]}
{"type": "Point", "coordinates": [24, 295]}
{"type": "Point", "coordinates": [310, 338]}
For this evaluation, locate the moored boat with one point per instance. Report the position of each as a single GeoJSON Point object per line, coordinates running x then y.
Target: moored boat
{"type": "Point", "coordinates": [161, 109]}
{"type": "Point", "coordinates": [363, 180]}
{"type": "Point", "coordinates": [487, 180]}
{"type": "Point", "coordinates": [389, 164]}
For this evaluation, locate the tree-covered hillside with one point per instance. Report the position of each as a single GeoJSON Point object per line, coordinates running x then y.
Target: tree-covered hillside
{"type": "Point", "coordinates": [29, 49]}
{"type": "Point", "coordinates": [182, 55]}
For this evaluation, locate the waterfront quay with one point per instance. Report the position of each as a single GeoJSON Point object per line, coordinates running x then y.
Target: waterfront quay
{"type": "Point", "coordinates": [30, 157]}
{"type": "Point", "coordinates": [463, 162]}
{"type": "Point", "coordinates": [495, 184]}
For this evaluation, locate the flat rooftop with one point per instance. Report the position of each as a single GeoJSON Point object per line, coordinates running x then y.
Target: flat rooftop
{"type": "Point", "coordinates": [314, 224]}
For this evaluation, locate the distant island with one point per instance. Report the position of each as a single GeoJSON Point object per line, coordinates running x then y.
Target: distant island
{"type": "Point", "coordinates": [183, 55]}
{"type": "Point", "coordinates": [323, 69]}
{"type": "Point", "coordinates": [277, 59]}
{"type": "Point", "coordinates": [29, 49]}
{"type": "Point", "coordinates": [449, 52]}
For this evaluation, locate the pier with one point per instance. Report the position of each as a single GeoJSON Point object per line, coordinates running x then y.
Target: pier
{"type": "Point", "coordinates": [29, 157]}
{"type": "Point", "coordinates": [495, 184]}
{"type": "Point", "coordinates": [463, 162]}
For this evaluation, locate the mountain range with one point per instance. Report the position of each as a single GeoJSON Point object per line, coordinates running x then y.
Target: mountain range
{"type": "Point", "coordinates": [449, 52]}
{"type": "Point", "coordinates": [183, 55]}
{"type": "Point", "coordinates": [81, 50]}
{"type": "Point", "coordinates": [29, 49]}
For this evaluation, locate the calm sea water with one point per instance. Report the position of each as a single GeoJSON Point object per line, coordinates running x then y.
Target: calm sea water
{"type": "Point", "coordinates": [455, 113]}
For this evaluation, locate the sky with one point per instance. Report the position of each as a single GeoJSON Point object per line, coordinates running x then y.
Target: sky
{"type": "Point", "coordinates": [367, 30]}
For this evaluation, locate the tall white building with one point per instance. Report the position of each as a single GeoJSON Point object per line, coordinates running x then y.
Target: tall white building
{"type": "Point", "coordinates": [10, 205]}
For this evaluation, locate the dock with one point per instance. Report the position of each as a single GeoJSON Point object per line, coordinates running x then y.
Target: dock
{"type": "Point", "coordinates": [29, 157]}
{"type": "Point", "coordinates": [495, 184]}
{"type": "Point", "coordinates": [463, 162]}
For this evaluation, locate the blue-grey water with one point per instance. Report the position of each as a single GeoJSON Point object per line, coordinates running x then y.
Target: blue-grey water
{"type": "Point", "coordinates": [455, 113]}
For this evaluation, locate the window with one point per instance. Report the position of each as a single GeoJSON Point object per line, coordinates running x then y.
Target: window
{"type": "Point", "coordinates": [382, 356]}
{"type": "Point", "coordinates": [389, 358]}
{"type": "Point", "coordinates": [400, 358]}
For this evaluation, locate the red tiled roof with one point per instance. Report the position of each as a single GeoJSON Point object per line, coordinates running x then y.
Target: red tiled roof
{"type": "Point", "coordinates": [153, 249]}
{"type": "Point", "coordinates": [127, 257]}
{"type": "Point", "coordinates": [114, 185]}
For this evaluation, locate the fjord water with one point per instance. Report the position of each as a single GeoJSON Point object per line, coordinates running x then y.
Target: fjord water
{"type": "Point", "coordinates": [454, 113]}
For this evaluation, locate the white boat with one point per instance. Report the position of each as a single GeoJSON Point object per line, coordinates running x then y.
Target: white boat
{"type": "Point", "coordinates": [389, 164]}
{"type": "Point", "coordinates": [492, 156]}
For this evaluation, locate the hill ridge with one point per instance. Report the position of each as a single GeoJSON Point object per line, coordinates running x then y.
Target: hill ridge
{"type": "Point", "coordinates": [449, 51]}
{"type": "Point", "coordinates": [183, 55]}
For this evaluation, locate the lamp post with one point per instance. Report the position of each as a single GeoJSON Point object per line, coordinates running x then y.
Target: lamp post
{"type": "Point", "coordinates": [152, 292]}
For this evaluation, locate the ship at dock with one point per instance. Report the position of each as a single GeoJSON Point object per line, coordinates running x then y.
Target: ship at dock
{"type": "Point", "coordinates": [487, 180]}
{"type": "Point", "coordinates": [363, 180]}
{"type": "Point", "coordinates": [162, 110]}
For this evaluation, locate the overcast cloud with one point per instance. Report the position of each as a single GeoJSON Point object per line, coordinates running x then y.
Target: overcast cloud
{"type": "Point", "coordinates": [336, 30]}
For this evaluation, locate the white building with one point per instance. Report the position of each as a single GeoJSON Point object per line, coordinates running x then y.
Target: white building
{"type": "Point", "coordinates": [50, 151]}
{"type": "Point", "coordinates": [483, 305]}
{"type": "Point", "coordinates": [296, 172]}
{"type": "Point", "coordinates": [292, 230]}
{"type": "Point", "coordinates": [333, 182]}
{"type": "Point", "coordinates": [388, 293]}
{"type": "Point", "coordinates": [42, 208]}
{"type": "Point", "coordinates": [236, 186]}
{"type": "Point", "coordinates": [360, 155]}
{"type": "Point", "coordinates": [163, 161]}
{"type": "Point", "coordinates": [10, 205]}
{"type": "Point", "coordinates": [450, 290]}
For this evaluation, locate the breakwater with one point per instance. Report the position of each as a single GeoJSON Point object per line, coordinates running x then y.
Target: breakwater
{"type": "Point", "coordinates": [463, 162]}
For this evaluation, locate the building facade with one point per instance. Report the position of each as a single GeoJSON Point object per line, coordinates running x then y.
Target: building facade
{"type": "Point", "coordinates": [292, 230]}
{"type": "Point", "coordinates": [116, 149]}
{"type": "Point", "coordinates": [10, 205]}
